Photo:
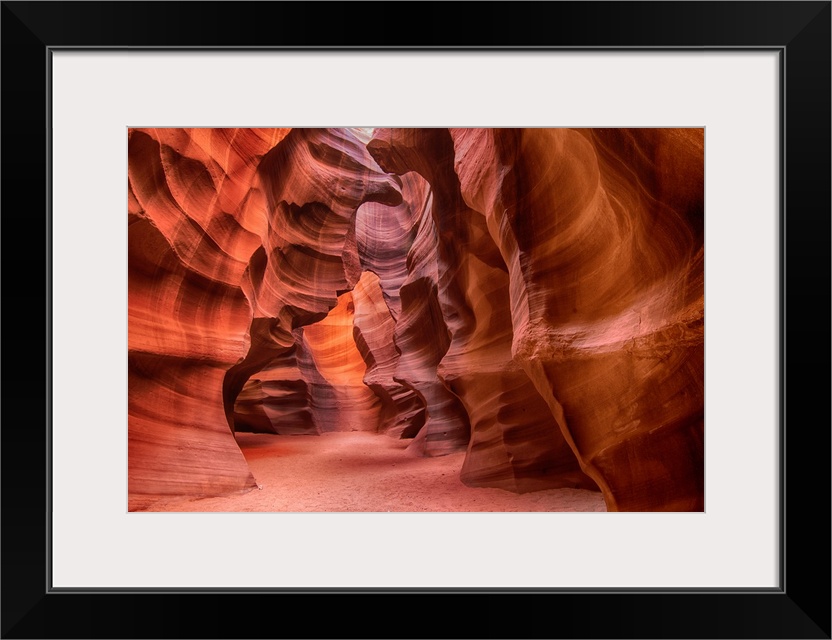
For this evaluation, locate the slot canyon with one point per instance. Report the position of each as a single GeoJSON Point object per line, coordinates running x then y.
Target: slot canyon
{"type": "Point", "coordinates": [416, 319]}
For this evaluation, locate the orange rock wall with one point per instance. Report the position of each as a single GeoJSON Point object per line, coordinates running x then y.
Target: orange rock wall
{"type": "Point", "coordinates": [602, 233]}
{"type": "Point", "coordinates": [534, 297]}
{"type": "Point", "coordinates": [194, 217]}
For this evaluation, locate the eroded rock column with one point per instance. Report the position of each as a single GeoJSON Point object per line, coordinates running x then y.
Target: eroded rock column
{"type": "Point", "coordinates": [195, 213]}
{"type": "Point", "coordinates": [513, 440]}
{"type": "Point", "coordinates": [314, 182]}
{"type": "Point", "coordinates": [602, 232]}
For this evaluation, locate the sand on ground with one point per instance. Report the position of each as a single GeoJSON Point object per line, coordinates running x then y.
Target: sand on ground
{"type": "Point", "coordinates": [366, 472]}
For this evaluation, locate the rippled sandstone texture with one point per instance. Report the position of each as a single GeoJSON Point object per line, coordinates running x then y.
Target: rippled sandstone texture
{"type": "Point", "coordinates": [532, 297]}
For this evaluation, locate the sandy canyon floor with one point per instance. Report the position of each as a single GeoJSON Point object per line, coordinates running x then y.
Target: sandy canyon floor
{"type": "Point", "coordinates": [366, 472]}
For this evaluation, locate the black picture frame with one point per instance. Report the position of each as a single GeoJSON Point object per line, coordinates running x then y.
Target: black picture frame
{"type": "Point", "coordinates": [800, 608]}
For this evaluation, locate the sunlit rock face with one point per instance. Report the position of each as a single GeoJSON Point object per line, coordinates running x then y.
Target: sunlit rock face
{"type": "Point", "coordinates": [314, 182]}
{"type": "Point", "coordinates": [402, 411]}
{"type": "Point", "coordinates": [235, 241]}
{"type": "Point", "coordinates": [458, 285]}
{"type": "Point", "coordinates": [337, 358]}
{"type": "Point", "coordinates": [601, 231]}
{"type": "Point", "coordinates": [195, 218]}
{"type": "Point", "coordinates": [533, 297]}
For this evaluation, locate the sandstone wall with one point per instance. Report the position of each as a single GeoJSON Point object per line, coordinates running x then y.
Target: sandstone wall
{"type": "Point", "coordinates": [533, 297]}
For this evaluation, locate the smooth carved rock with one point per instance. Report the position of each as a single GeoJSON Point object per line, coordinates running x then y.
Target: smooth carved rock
{"type": "Point", "coordinates": [384, 236]}
{"type": "Point", "coordinates": [314, 182]}
{"type": "Point", "coordinates": [602, 234]}
{"type": "Point", "coordinates": [513, 441]}
{"type": "Point", "coordinates": [323, 401]}
{"type": "Point", "coordinates": [337, 358]}
{"type": "Point", "coordinates": [534, 297]}
{"type": "Point", "coordinates": [429, 309]}
{"type": "Point", "coordinates": [249, 409]}
{"type": "Point", "coordinates": [402, 411]}
{"type": "Point", "coordinates": [223, 247]}
{"type": "Point", "coordinates": [194, 210]}
{"type": "Point", "coordinates": [395, 243]}
{"type": "Point", "coordinates": [279, 399]}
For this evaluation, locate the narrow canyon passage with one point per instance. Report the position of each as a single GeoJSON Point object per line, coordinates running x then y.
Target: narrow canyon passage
{"type": "Point", "coordinates": [365, 472]}
{"type": "Point", "coordinates": [416, 319]}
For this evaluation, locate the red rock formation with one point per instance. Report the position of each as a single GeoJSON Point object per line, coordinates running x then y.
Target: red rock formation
{"type": "Point", "coordinates": [513, 442]}
{"type": "Point", "coordinates": [194, 216]}
{"type": "Point", "coordinates": [531, 296]}
{"type": "Point", "coordinates": [314, 181]}
{"type": "Point", "coordinates": [602, 234]}
{"type": "Point", "coordinates": [235, 240]}
{"type": "Point", "coordinates": [337, 358]}
{"type": "Point", "coordinates": [402, 412]}
{"type": "Point", "coordinates": [279, 399]}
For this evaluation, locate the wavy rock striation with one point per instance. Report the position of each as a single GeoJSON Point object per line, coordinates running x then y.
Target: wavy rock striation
{"type": "Point", "coordinates": [602, 233]}
{"type": "Point", "coordinates": [314, 182]}
{"type": "Point", "coordinates": [336, 357]}
{"type": "Point", "coordinates": [194, 216]}
{"type": "Point", "coordinates": [533, 297]}
{"type": "Point", "coordinates": [402, 412]}
{"type": "Point", "coordinates": [513, 442]}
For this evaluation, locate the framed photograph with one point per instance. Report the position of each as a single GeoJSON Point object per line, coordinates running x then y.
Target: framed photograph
{"type": "Point", "coordinates": [356, 218]}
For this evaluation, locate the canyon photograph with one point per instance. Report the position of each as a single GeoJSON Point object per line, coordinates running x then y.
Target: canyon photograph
{"type": "Point", "coordinates": [416, 320]}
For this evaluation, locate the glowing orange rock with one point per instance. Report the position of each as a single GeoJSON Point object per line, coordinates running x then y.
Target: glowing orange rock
{"type": "Point", "coordinates": [534, 297]}
{"type": "Point", "coordinates": [193, 222]}
{"type": "Point", "coordinates": [601, 231]}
